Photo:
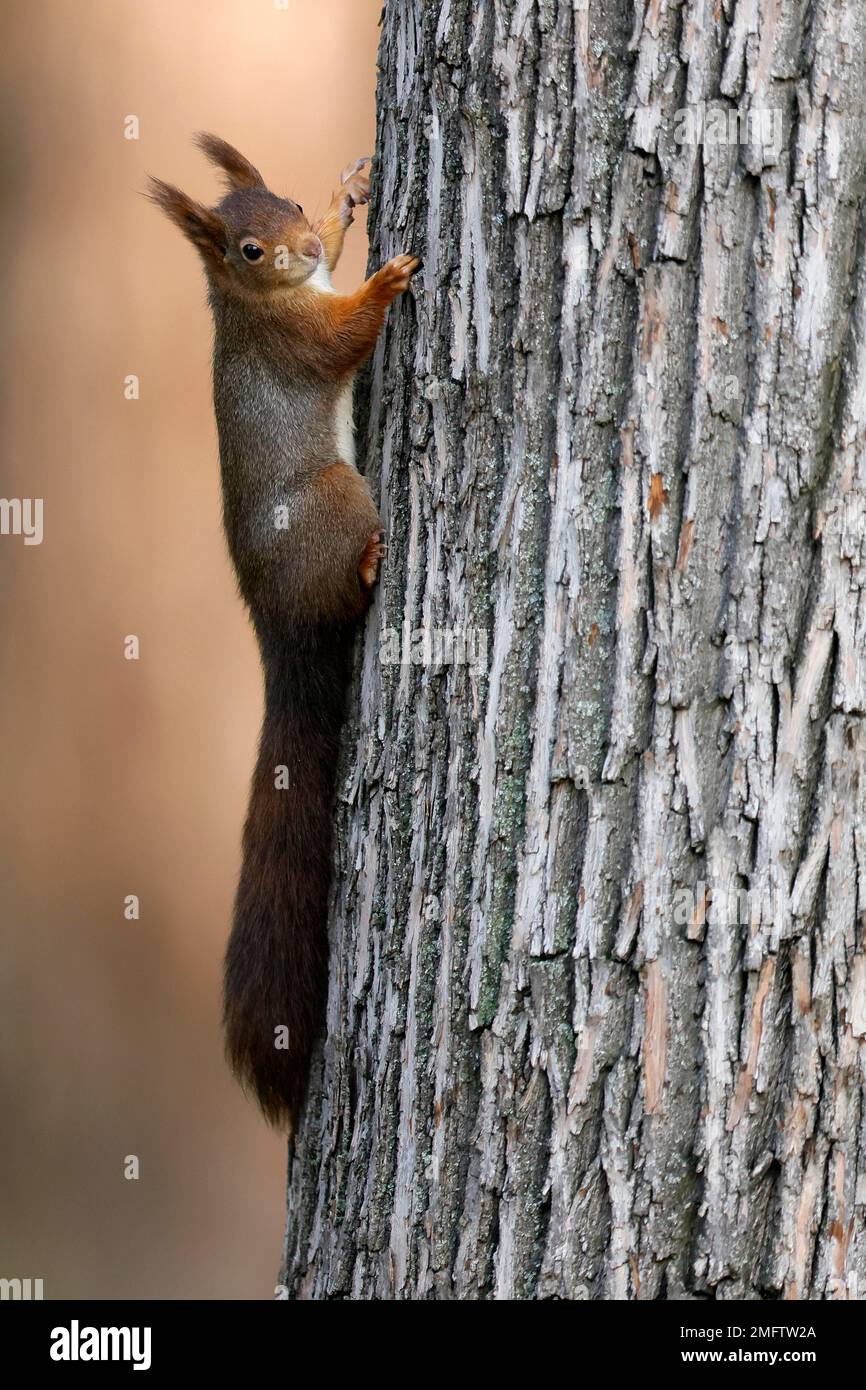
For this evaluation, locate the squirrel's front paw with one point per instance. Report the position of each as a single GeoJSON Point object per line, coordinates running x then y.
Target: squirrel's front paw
{"type": "Point", "coordinates": [395, 276]}
{"type": "Point", "coordinates": [355, 187]}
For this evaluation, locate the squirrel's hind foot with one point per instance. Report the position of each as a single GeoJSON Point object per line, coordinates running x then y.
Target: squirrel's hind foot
{"type": "Point", "coordinates": [373, 554]}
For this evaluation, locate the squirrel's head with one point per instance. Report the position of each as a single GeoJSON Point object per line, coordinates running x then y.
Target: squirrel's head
{"type": "Point", "coordinates": [252, 241]}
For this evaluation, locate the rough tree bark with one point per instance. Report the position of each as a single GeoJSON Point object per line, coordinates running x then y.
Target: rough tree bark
{"type": "Point", "coordinates": [619, 426]}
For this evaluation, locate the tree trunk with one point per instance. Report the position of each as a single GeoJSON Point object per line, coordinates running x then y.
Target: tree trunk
{"type": "Point", "coordinates": [597, 1014]}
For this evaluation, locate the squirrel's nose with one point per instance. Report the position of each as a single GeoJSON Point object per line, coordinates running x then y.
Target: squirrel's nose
{"type": "Point", "coordinates": [312, 247]}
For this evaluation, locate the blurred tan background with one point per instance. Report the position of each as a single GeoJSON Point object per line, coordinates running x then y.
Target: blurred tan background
{"type": "Point", "coordinates": [119, 776]}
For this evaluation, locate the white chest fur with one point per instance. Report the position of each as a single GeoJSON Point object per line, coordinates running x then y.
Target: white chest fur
{"type": "Point", "coordinates": [344, 425]}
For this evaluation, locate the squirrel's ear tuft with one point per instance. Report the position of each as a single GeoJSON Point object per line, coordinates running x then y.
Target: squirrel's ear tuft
{"type": "Point", "coordinates": [238, 171]}
{"type": "Point", "coordinates": [202, 227]}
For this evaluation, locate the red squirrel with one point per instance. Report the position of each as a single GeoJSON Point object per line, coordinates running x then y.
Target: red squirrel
{"type": "Point", "coordinates": [306, 541]}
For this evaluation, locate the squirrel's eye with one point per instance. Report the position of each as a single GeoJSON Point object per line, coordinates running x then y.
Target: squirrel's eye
{"type": "Point", "coordinates": [298, 206]}
{"type": "Point", "coordinates": [251, 252]}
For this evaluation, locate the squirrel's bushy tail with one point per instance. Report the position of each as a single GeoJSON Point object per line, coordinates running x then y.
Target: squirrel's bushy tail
{"type": "Point", "coordinates": [276, 960]}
